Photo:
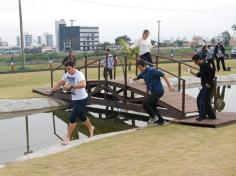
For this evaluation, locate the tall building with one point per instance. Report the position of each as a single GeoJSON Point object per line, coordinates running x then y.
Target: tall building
{"type": "Point", "coordinates": [18, 41]}
{"type": "Point", "coordinates": [58, 24]}
{"type": "Point", "coordinates": [47, 39]}
{"type": "Point", "coordinates": [28, 40]}
{"type": "Point", "coordinates": [39, 40]}
{"type": "Point", "coordinates": [79, 38]}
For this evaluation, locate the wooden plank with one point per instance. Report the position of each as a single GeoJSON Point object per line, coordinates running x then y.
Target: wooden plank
{"type": "Point", "coordinates": [222, 119]}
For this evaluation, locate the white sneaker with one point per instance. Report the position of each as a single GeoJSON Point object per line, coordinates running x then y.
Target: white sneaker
{"type": "Point", "coordinates": [152, 120]}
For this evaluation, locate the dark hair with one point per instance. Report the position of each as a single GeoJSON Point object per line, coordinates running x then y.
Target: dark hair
{"type": "Point", "coordinates": [108, 50]}
{"type": "Point", "coordinates": [196, 57]}
{"type": "Point", "coordinates": [208, 46]}
{"type": "Point", "coordinates": [70, 63]}
{"type": "Point", "coordinates": [146, 31]}
{"type": "Point", "coordinates": [141, 63]}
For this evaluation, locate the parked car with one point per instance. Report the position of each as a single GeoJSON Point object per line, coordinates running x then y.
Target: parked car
{"type": "Point", "coordinates": [233, 52]}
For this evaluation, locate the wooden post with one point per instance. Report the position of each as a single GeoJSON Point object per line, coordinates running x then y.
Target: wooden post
{"type": "Point", "coordinates": [183, 96]}
{"type": "Point", "coordinates": [86, 68]}
{"type": "Point", "coordinates": [115, 62]}
{"type": "Point", "coordinates": [136, 67]}
{"type": "Point", "coordinates": [126, 75]}
{"type": "Point", "coordinates": [157, 61]}
{"type": "Point", "coordinates": [179, 74]}
{"type": "Point", "coordinates": [99, 70]}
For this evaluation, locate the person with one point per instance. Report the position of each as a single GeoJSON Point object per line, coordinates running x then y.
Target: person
{"type": "Point", "coordinates": [207, 76]}
{"type": "Point", "coordinates": [203, 52]}
{"type": "Point", "coordinates": [219, 53]}
{"type": "Point", "coordinates": [77, 84]}
{"type": "Point", "coordinates": [152, 78]}
{"type": "Point", "coordinates": [70, 57]}
{"type": "Point", "coordinates": [210, 57]}
{"type": "Point", "coordinates": [145, 47]}
{"type": "Point", "coordinates": [108, 63]}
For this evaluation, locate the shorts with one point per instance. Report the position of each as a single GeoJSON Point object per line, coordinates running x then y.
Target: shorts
{"type": "Point", "coordinates": [78, 110]}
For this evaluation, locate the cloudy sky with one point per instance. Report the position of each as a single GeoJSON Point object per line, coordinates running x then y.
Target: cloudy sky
{"type": "Point", "coordinates": [182, 18]}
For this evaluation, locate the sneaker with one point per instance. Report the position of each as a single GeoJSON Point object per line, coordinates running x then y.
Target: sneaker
{"type": "Point", "coordinates": [162, 123]}
{"type": "Point", "coordinates": [212, 118]}
{"type": "Point", "coordinates": [200, 118]}
{"type": "Point", "coordinates": [152, 120]}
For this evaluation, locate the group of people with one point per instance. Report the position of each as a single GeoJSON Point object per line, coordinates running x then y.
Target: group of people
{"type": "Point", "coordinates": [209, 54]}
{"type": "Point", "coordinates": [152, 77]}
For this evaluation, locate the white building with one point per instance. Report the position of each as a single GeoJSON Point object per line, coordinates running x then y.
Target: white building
{"type": "Point", "coordinates": [47, 40]}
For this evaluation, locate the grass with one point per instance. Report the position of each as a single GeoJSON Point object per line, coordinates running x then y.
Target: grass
{"type": "Point", "coordinates": [20, 85]}
{"type": "Point", "coordinates": [170, 150]}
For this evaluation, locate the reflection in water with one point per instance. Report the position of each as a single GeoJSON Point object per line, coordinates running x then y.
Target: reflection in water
{"type": "Point", "coordinates": [219, 96]}
{"type": "Point", "coordinates": [37, 131]}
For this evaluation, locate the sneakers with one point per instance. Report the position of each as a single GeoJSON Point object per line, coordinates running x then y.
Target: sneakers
{"type": "Point", "coordinates": [152, 120]}
{"type": "Point", "coordinates": [161, 123]}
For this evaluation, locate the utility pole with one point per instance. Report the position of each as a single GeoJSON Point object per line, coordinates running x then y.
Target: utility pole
{"type": "Point", "coordinates": [159, 26]}
{"type": "Point", "coordinates": [21, 35]}
{"type": "Point", "coordinates": [71, 22]}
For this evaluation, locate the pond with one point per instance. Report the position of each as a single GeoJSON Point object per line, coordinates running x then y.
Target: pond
{"type": "Point", "coordinates": [25, 134]}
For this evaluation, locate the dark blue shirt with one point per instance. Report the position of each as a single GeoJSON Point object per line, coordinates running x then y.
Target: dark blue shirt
{"type": "Point", "coordinates": [152, 78]}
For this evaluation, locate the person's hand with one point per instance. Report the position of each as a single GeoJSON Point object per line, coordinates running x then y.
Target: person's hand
{"type": "Point", "coordinates": [48, 92]}
{"type": "Point", "coordinates": [208, 86]}
{"type": "Point", "coordinates": [171, 89]}
{"type": "Point", "coordinates": [67, 87]}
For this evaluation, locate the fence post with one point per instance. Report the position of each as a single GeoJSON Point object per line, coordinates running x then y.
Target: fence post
{"type": "Point", "coordinates": [126, 74]}
{"type": "Point", "coordinates": [183, 96]}
{"type": "Point", "coordinates": [12, 65]}
{"type": "Point", "coordinates": [179, 74]}
{"type": "Point", "coordinates": [86, 68]}
{"type": "Point", "coordinates": [99, 70]}
{"type": "Point", "coordinates": [115, 62]}
{"type": "Point", "coordinates": [157, 60]}
{"type": "Point", "coordinates": [136, 65]}
{"type": "Point", "coordinates": [50, 62]}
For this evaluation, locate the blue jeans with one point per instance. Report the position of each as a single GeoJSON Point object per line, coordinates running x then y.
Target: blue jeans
{"type": "Point", "coordinates": [204, 103]}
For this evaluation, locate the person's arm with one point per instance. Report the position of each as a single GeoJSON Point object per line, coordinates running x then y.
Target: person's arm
{"type": "Point", "coordinates": [195, 74]}
{"type": "Point", "coordinates": [80, 85]}
{"type": "Point", "coordinates": [171, 88]}
{"type": "Point", "coordinates": [64, 60]}
{"type": "Point", "coordinates": [140, 76]}
{"type": "Point", "coordinates": [135, 45]}
{"type": "Point", "coordinates": [56, 87]}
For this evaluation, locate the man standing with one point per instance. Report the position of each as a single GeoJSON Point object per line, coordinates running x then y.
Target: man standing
{"type": "Point", "coordinates": [108, 65]}
{"type": "Point", "coordinates": [152, 78]}
{"type": "Point", "coordinates": [77, 85]}
{"type": "Point", "coordinates": [219, 53]}
{"type": "Point", "coordinates": [70, 57]}
{"type": "Point", "coordinates": [207, 75]}
{"type": "Point", "coordinates": [210, 57]}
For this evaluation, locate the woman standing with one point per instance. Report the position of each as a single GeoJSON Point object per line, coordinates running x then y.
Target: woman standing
{"type": "Point", "coordinates": [145, 47]}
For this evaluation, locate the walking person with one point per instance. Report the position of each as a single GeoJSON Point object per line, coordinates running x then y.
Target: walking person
{"type": "Point", "coordinates": [108, 63]}
{"type": "Point", "coordinates": [219, 53]}
{"type": "Point", "coordinates": [76, 85]}
{"type": "Point", "coordinates": [207, 75]}
{"type": "Point", "coordinates": [145, 47]}
{"type": "Point", "coordinates": [210, 57]}
{"type": "Point", "coordinates": [70, 57]}
{"type": "Point", "coordinates": [152, 78]}
{"type": "Point", "coordinates": [204, 52]}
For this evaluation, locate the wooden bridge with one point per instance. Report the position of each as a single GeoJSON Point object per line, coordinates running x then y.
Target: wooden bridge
{"type": "Point", "coordinates": [122, 94]}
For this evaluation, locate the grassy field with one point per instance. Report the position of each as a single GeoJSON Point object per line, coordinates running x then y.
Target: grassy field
{"type": "Point", "coordinates": [171, 150]}
{"type": "Point", "coordinates": [20, 85]}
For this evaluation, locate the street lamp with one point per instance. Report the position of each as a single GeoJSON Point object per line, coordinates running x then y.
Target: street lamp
{"type": "Point", "coordinates": [71, 22]}
{"type": "Point", "coordinates": [21, 34]}
{"type": "Point", "coordinates": [159, 23]}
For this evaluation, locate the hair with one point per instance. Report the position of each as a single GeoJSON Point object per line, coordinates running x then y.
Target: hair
{"type": "Point", "coordinates": [108, 50]}
{"type": "Point", "coordinates": [204, 47]}
{"type": "Point", "coordinates": [208, 46]}
{"type": "Point", "coordinates": [146, 31]}
{"type": "Point", "coordinates": [196, 57]}
{"type": "Point", "coordinates": [141, 63]}
{"type": "Point", "coordinates": [70, 64]}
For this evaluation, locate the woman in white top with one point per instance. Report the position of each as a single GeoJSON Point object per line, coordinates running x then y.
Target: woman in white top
{"type": "Point", "coordinates": [145, 47]}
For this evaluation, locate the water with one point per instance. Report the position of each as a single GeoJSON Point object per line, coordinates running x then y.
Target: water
{"type": "Point", "coordinates": [224, 99]}
{"type": "Point", "coordinates": [25, 134]}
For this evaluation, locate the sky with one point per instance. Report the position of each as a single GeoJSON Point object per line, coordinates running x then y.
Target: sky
{"type": "Point", "coordinates": [182, 18]}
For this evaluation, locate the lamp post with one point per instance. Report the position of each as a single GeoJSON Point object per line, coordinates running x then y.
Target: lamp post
{"type": "Point", "coordinates": [159, 25]}
{"type": "Point", "coordinates": [71, 22]}
{"type": "Point", "coordinates": [21, 35]}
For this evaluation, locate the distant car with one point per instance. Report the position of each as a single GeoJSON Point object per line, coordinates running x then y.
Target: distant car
{"type": "Point", "coordinates": [233, 52]}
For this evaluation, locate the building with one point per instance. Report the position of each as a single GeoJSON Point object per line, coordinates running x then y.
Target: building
{"type": "Point", "coordinates": [3, 43]}
{"type": "Point", "coordinates": [18, 41]}
{"type": "Point", "coordinates": [28, 40]}
{"type": "Point", "coordinates": [79, 38]}
{"type": "Point", "coordinates": [47, 40]}
{"type": "Point", "coordinates": [58, 24]}
{"type": "Point", "coordinates": [39, 40]}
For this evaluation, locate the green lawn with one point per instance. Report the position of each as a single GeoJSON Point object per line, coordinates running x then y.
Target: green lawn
{"type": "Point", "coordinates": [171, 150]}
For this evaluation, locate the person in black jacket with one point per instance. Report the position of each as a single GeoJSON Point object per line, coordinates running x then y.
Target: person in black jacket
{"type": "Point", "coordinates": [207, 76]}
{"type": "Point", "coordinates": [70, 57]}
{"type": "Point", "coordinates": [219, 53]}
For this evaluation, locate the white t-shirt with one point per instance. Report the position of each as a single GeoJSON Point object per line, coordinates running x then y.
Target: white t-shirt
{"type": "Point", "coordinates": [77, 94]}
{"type": "Point", "coordinates": [145, 46]}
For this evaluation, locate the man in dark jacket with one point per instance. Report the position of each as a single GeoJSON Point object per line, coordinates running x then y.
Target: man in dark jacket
{"type": "Point", "coordinates": [207, 76]}
{"type": "Point", "coordinates": [70, 57]}
{"type": "Point", "coordinates": [219, 53]}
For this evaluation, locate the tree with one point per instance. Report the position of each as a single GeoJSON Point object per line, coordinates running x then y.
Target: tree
{"type": "Point", "coordinates": [234, 27]}
{"type": "Point", "coordinates": [225, 36]}
{"type": "Point", "coordinates": [178, 42]}
{"type": "Point", "coordinates": [131, 53]}
{"type": "Point", "coordinates": [124, 37]}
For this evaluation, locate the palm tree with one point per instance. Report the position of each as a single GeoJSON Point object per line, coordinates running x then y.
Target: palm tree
{"type": "Point", "coordinates": [131, 53]}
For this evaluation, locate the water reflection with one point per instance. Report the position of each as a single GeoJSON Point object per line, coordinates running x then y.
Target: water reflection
{"type": "Point", "coordinates": [37, 131]}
